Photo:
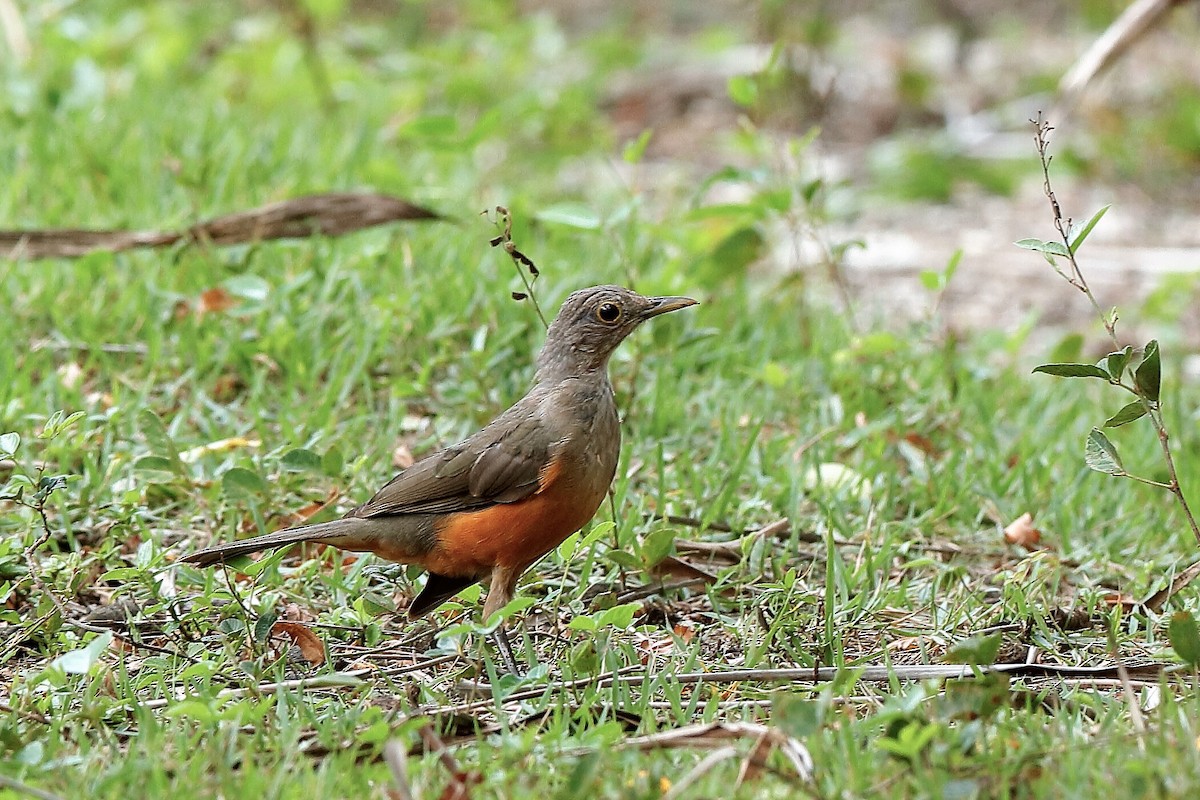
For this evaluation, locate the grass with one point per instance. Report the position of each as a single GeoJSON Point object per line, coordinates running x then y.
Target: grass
{"type": "Point", "coordinates": [338, 352]}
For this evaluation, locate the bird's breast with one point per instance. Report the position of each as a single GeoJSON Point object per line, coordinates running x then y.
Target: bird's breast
{"type": "Point", "coordinates": [571, 486]}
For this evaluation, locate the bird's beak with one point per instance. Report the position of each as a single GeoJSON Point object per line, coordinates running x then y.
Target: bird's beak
{"type": "Point", "coordinates": [664, 305]}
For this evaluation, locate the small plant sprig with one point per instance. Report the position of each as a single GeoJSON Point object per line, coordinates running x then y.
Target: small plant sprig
{"type": "Point", "coordinates": [31, 489]}
{"type": "Point", "coordinates": [521, 261]}
{"type": "Point", "coordinates": [1123, 368]}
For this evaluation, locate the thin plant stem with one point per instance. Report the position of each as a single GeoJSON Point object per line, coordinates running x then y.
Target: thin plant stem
{"type": "Point", "coordinates": [1063, 226]}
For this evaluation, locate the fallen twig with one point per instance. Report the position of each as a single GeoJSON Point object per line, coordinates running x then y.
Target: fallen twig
{"type": "Point", "coordinates": [328, 214]}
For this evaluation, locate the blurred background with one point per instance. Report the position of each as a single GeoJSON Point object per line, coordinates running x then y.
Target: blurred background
{"type": "Point", "coordinates": [858, 143]}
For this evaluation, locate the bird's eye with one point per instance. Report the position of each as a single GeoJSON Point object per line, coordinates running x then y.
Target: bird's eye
{"type": "Point", "coordinates": [608, 312]}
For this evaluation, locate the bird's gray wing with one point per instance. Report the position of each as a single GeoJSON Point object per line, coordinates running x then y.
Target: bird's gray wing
{"type": "Point", "coordinates": [500, 464]}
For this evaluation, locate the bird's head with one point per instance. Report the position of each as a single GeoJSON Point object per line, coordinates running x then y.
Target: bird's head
{"type": "Point", "coordinates": [592, 322]}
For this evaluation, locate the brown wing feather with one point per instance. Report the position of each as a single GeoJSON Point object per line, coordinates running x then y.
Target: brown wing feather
{"type": "Point", "coordinates": [500, 464]}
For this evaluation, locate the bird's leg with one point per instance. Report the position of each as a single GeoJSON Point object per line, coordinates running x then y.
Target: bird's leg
{"type": "Point", "coordinates": [500, 591]}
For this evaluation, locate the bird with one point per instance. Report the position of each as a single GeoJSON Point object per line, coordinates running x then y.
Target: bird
{"type": "Point", "coordinates": [494, 504]}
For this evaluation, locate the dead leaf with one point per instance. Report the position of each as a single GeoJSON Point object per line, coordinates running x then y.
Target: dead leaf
{"type": "Point", "coordinates": [294, 612]}
{"type": "Point", "coordinates": [685, 629]}
{"type": "Point", "coordinates": [1022, 533]}
{"type": "Point", "coordinates": [673, 567]}
{"type": "Point", "coordinates": [311, 646]}
{"type": "Point", "coordinates": [70, 374]}
{"type": "Point", "coordinates": [923, 443]}
{"type": "Point", "coordinates": [220, 446]}
{"type": "Point", "coordinates": [402, 457]}
{"type": "Point", "coordinates": [227, 387]}
{"type": "Point", "coordinates": [757, 757]}
{"type": "Point", "coordinates": [1127, 602]}
{"type": "Point", "coordinates": [214, 301]}
{"type": "Point", "coordinates": [307, 512]}
{"type": "Point", "coordinates": [1156, 601]}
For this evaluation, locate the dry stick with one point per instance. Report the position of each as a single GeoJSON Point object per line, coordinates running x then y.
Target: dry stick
{"type": "Point", "coordinates": [873, 674]}
{"type": "Point", "coordinates": [24, 788]}
{"type": "Point", "coordinates": [700, 770]}
{"type": "Point", "coordinates": [396, 757]}
{"type": "Point", "coordinates": [332, 680]}
{"type": "Point", "coordinates": [1062, 225]}
{"type": "Point", "coordinates": [433, 742]}
{"type": "Point", "coordinates": [32, 716]}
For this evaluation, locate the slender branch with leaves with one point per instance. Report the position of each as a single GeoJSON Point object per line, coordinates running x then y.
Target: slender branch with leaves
{"type": "Point", "coordinates": [1138, 372]}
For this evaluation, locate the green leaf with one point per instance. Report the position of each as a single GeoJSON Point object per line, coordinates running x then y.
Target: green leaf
{"type": "Point", "coordinates": [976, 650]}
{"type": "Point", "coordinates": [618, 616]}
{"type": "Point", "coordinates": [574, 215]}
{"type": "Point", "coordinates": [623, 559]}
{"type": "Point", "coordinates": [636, 150]}
{"type": "Point", "coordinates": [1077, 235]}
{"type": "Point", "coordinates": [1041, 246]}
{"type": "Point", "coordinates": [120, 574]}
{"type": "Point", "coordinates": [155, 469]}
{"type": "Point", "coordinates": [1185, 637]}
{"type": "Point", "coordinates": [1101, 455]}
{"type": "Point", "coordinates": [430, 126]}
{"type": "Point", "coordinates": [1135, 410]}
{"type": "Point", "coordinates": [796, 715]}
{"type": "Point", "coordinates": [159, 440]}
{"type": "Point", "coordinates": [332, 462]}
{"type": "Point", "coordinates": [743, 90]}
{"type": "Point", "coordinates": [657, 546]}
{"type": "Point", "coordinates": [951, 267]}
{"type": "Point", "coordinates": [263, 625]}
{"type": "Point", "coordinates": [9, 442]}
{"type": "Point", "coordinates": [1073, 371]}
{"type": "Point", "coordinates": [1069, 348]}
{"type": "Point", "coordinates": [1115, 362]}
{"type": "Point", "coordinates": [974, 698]}
{"type": "Point", "coordinates": [58, 422]}
{"type": "Point", "coordinates": [248, 287]}
{"type": "Point", "coordinates": [1148, 375]}
{"type": "Point", "coordinates": [81, 661]}
{"type": "Point", "coordinates": [196, 710]}
{"type": "Point", "coordinates": [241, 482]}
{"type": "Point", "coordinates": [300, 460]}
{"type": "Point", "coordinates": [738, 250]}
{"type": "Point", "coordinates": [582, 622]}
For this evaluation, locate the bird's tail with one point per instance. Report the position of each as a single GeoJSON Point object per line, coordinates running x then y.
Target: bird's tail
{"type": "Point", "coordinates": [329, 532]}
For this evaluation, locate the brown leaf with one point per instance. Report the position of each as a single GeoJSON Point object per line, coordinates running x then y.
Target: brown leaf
{"type": "Point", "coordinates": [685, 630]}
{"type": "Point", "coordinates": [1128, 602]}
{"type": "Point", "coordinates": [311, 646]}
{"type": "Point", "coordinates": [227, 387]}
{"type": "Point", "coordinates": [402, 457]}
{"type": "Point", "coordinates": [673, 567]}
{"type": "Point", "coordinates": [756, 759]}
{"type": "Point", "coordinates": [1022, 533]}
{"type": "Point", "coordinates": [307, 512]}
{"type": "Point", "coordinates": [294, 612]}
{"type": "Point", "coordinates": [923, 443]}
{"type": "Point", "coordinates": [214, 301]}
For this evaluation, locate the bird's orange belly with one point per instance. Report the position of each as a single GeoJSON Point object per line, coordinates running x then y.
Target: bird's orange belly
{"type": "Point", "coordinates": [511, 535]}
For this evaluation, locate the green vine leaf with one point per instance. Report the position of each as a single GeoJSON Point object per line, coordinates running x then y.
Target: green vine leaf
{"type": "Point", "coordinates": [1135, 410]}
{"type": "Point", "coordinates": [1148, 376]}
{"type": "Point", "coordinates": [1073, 371]}
{"type": "Point", "coordinates": [1101, 455]}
